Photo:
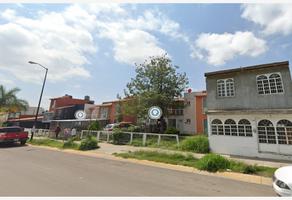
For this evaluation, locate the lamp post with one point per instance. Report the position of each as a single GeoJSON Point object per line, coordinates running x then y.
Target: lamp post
{"type": "Point", "coordinates": [37, 112]}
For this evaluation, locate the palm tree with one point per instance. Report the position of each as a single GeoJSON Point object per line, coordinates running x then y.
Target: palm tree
{"type": "Point", "coordinates": [9, 102]}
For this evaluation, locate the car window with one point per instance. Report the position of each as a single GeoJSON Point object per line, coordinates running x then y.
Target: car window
{"type": "Point", "coordinates": [108, 126]}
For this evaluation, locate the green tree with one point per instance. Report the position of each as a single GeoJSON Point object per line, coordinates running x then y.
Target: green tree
{"type": "Point", "coordinates": [118, 111]}
{"type": "Point", "coordinates": [94, 126]}
{"type": "Point", "coordinates": [9, 101]}
{"type": "Point", "coordinates": [157, 83]}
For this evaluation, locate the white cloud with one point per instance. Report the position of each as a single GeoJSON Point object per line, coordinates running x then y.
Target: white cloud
{"type": "Point", "coordinates": [62, 40]}
{"type": "Point", "coordinates": [219, 48]}
{"type": "Point", "coordinates": [157, 21]}
{"type": "Point", "coordinates": [132, 38]}
{"type": "Point", "coordinates": [130, 45]}
{"type": "Point", "coordinates": [274, 18]}
{"type": "Point", "coordinates": [8, 14]}
{"type": "Point", "coordinates": [5, 80]}
{"type": "Point", "coordinates": [51, 39]}
{"type": "Point", "coordinates": [135, 46]}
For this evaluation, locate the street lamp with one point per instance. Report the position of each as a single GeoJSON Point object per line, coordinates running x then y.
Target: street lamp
{"type": "Point", "coordinates": [37, 112]}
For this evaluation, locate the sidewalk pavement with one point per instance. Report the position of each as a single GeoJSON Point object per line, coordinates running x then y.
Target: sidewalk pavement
{"type": "Point", "coordinates": [109, 149]}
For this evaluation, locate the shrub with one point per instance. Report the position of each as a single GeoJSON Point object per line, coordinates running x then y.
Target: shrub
{"type": "Point", "coordinates": [94, 126]}
{"type": "Point", "coordinates": [70, 144]}
{"type": "Point", "coordinates": [250, 169]}
{"type": "Point", "coordinates": [119, 137]}
{"type": "Point", "coordinates": [198, 144]}
{"type": "Point", "coordinates": [171, 130]}
{"type": "Point", "coordinates": [134, 128]}
{"type": "Point", "coordinates": [88, 143]}
{"type": "Point", "coordinates": [213, 163]}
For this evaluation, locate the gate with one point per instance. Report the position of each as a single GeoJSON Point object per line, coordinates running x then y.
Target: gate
{"type": "Point", "coordinates": [276, 140]}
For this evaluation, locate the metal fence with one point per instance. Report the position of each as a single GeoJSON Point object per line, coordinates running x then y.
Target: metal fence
{"type": "Point", "coordinates": [100, 136]}
{"type": "Point", "coordinates": [39, 132]}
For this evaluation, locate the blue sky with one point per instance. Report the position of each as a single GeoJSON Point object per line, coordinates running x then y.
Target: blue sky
{"type": "Point", "coordinates": [90, 49]}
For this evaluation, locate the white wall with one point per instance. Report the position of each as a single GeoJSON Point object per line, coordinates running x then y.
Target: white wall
{"type": "Point", "coordinates": [248, 146]}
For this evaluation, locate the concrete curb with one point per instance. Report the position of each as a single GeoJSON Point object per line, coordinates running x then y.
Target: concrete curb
{"type": "Point", "coordinates": [229, 175]}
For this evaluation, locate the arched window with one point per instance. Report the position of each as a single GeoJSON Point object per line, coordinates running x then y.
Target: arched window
{"type": "Point", "coordinates": [284, 132]}
{"type": "Point", "coordinates": [244, 128]}
{"type": "Point", "coordinates": [266, 132]}
{"type": "Point", "coordinates": [263, 84]}
{"type": "Point", "coordinates": [229, 87]}
{"type": "Point", "coordinates": [225, 87]}
{"type": "Point", "coordinates": [230, 127]}
{"type": "Point", "coordinates": [270, 83]}
{"type": "Point", "coordinates": [276, 83]}
{"type": "Point", "coordinates": [221, 88]}
{"type": "Point", "coordinates": [217, 127]}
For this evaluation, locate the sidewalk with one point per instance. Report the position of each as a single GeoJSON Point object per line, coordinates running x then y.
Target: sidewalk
{"type": "Point", "coordinates": [107, 148]}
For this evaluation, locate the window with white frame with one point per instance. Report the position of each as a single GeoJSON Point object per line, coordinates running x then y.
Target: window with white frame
{"type": "Point", "coordinates": [266, 132]}
{"type": "Point", "coordinates": [225, 87]}
{"type": "Point", "coordinates": [284, 132]}
{"type": "Point", "coordinates": [217, 127]}
{"type": "Point", "coordinates": [270, 83]}
{"type": "Point", "coordinates": [244, 128]}
{"type": "Point", "coordinates": [230, 127]}
{"type": "Point", "coordinates": [221, 88]}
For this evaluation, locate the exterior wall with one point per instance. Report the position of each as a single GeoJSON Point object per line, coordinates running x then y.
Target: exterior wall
{"type": "Point", "coordinates": [190, 113]}
{"type": "Point", "coordinates": [66, 101]}
{"type": "Point", "coordinates": [200, 114]}
{"type": "Point", "coordinates": [246, 94]}
{"type": "Point", "coordinates": [87, 110]}
{"type": "Point", "coordinates": [248, 146]}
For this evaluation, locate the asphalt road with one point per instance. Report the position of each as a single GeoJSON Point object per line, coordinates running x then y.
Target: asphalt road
{"type": "Point", "coordinates": [32, 171]}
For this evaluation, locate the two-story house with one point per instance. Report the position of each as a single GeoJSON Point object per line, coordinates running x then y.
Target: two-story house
{"type": "Point", "coordinates": [112, 112]}
{"type": "Point", "coordinates": [188, 116]}
{"type": "Point", "coordinates": [249, 111]}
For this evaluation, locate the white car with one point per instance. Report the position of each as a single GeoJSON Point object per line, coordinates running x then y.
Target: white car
{"type": "Point", "coordinates": [110, 127]}
{"type": "Point", "coordinates": [282, 181]}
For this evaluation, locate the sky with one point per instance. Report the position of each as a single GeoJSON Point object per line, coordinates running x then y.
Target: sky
{"type": "Point", "coordinates": [91, 49]}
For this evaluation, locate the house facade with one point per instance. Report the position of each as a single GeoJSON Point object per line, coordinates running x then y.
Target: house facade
{"type": "Point", "coordinates": [26, 118]}
{"type": "Point", "coordinates": [62, 112]}
{"type": "Point", "coordinates": [249, 111]}
{"type": "Point", "coordinates": [189, 117]}
{"type": "Point", "coordinates": [111, 112]}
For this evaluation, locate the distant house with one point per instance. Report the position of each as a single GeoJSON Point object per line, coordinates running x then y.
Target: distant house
{"type": "Point", "coordinates": [188, 114]}
{"type": "Point", "coordinates": [249, 111]}
{"type": "Point", "coordinates": [112, 112]}
{"type": "Point", "coordinates": [62, 112]}
{"type": "Point", "coordinates": [26, 118]}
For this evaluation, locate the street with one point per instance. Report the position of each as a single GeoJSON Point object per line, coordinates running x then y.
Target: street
{"type": "Point", "coordinates": [32, 171]}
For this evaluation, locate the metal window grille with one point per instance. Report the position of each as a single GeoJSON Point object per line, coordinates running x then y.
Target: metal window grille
{"type": "Point", "coordinates": [266, 132]}
{"type": "Point", "coordinates": [284, 132]}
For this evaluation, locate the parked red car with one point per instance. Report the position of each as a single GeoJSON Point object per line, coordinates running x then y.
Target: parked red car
{"type": "Point", "coordinates": [13, 134]}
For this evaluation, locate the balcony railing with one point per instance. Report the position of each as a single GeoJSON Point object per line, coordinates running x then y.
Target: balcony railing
{"type": "Point", "coordinates": [175, 111]}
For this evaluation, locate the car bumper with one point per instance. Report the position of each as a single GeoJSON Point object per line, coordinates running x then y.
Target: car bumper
{"type": "Point", "coordinates": [282, 192]}
{"type": "Point", "coordinates": [12, 140]}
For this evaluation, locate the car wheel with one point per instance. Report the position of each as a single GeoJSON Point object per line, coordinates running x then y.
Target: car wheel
{"type": "Point", "coordinates": [22, 142]}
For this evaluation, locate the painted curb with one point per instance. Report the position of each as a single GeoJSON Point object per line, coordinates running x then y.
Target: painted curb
{"type": "Point", "coordinates": [229, 175]}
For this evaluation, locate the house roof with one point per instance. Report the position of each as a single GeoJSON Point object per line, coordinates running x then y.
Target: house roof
{"type": "Point", "coordinates": [25, 119]}
{"type": "Point", "coordinates": [253, 67]}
